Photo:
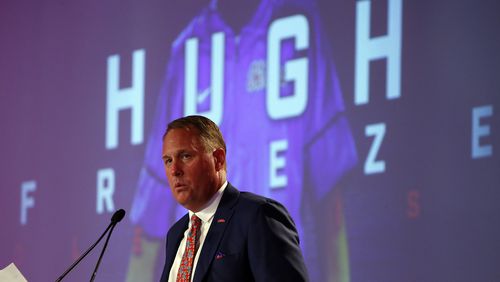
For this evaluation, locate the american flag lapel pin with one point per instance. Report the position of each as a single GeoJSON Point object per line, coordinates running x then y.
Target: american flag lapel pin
{"type": "Point", "coordinates": [219, 255]}
{"type": "Point", "coordinates": [221, 220]}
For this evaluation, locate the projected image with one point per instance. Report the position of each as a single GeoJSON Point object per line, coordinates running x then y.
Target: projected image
{"type": "Point", "coordinates": [273, 90]}
{"type": "Point", "coordinates": [374, 122]}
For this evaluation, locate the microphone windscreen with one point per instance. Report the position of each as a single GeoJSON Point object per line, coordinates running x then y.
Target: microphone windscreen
{"type": "Point", "coordinates": [118, 216]}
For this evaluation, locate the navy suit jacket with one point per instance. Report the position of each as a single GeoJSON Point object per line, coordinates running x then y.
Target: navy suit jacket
{"type": "Point", "coordinates": [251, 238]}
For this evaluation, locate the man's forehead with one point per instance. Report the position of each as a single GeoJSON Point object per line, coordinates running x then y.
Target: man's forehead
{"type": "Point", "coordinates": [178, 133]}
{"type": "Point", "coordinates": [181, 139]}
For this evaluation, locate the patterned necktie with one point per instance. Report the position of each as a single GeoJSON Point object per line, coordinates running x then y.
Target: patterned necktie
{"type": "Point", "coordinates": [192, 244]}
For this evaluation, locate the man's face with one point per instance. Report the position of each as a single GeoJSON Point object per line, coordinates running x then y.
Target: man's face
{"type": "Point", "coordinates": [191, 171]}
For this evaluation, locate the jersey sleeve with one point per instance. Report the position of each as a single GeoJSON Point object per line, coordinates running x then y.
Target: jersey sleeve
{"type": "Point", "coordinates": [330, 151]}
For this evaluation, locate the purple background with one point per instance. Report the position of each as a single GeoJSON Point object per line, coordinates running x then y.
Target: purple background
{"type": "Point", "coordinates": [431, 216]}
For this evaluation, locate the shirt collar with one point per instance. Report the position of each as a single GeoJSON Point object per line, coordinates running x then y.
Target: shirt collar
{"type": "Point", "coordinates": [208, 212]}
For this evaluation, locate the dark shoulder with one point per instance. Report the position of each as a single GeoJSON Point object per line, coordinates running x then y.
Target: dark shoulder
{"type": "Point", "coordinates": [267, 214]}
{"type": "Point", "coordinates": [250, 202]}
{"type": "Point", "coordinates": [253, 200]}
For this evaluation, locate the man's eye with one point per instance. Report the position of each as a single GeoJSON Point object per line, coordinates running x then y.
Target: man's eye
{"type": "Point", "coordinates": [185, 156]}
{"type": "Point", "coordinates": [167, 161]}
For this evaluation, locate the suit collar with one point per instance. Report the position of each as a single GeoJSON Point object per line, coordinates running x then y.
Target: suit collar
{"type": "Point", "coordinates": [208, 212]}
{"type": "Point", "coordinates": [221, 220]}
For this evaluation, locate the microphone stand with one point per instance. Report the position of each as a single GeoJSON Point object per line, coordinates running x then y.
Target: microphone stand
{"type": "Point", "coordinates": [117, 217]}
{"type": "Point", "coordinates": [112, 224]}
{"type": "Point", "coordinates": [102, 252]}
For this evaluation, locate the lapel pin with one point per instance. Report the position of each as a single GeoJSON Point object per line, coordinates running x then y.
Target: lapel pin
{"type": "Point", "coordinates": [221, 220]}
{"type": "Point", "coordinates": [219, 255]}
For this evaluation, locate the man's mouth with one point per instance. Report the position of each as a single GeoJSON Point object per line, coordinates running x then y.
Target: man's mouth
{"type": "Point", "coordinates": [179, 186]}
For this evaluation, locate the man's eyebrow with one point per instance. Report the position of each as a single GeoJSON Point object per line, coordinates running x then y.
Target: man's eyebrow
{"type": "Point", "coordinates": [175, 153]}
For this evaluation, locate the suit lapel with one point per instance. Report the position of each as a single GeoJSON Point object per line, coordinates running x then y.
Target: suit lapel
{"type": "Point", "coordinates": [220, 221]}
{"type": "Point", "coordinates": [174, 239]}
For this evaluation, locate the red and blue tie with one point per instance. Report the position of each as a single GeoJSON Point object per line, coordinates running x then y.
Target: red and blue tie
{"type": "Point", "coordinates": [192, 244]}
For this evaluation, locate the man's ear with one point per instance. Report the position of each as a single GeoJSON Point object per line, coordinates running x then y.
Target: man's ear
{"type": "Point", "coordinates": [220, 158]}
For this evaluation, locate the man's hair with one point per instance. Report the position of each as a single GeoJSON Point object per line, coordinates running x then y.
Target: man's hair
{"type": "Point", "coordinates": [208, 131]}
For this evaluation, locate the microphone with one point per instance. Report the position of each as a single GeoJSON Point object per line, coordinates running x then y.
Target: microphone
{"type": "Point", "coordinates": [117, 217]}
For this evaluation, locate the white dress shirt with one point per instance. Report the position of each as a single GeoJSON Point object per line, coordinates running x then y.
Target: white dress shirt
{"type": "Point", "coordinates": [206, 215]}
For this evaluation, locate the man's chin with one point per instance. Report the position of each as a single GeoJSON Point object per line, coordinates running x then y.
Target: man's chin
{"type": "Point", "coordinates": [182, 198]}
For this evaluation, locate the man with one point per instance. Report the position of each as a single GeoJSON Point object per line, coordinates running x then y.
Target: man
{"type": "Point", "coordinates": [227, 235]}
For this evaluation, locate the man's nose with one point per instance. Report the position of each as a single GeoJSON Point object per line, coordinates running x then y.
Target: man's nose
{"type": "Point", "coordinates": [175, 169]}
